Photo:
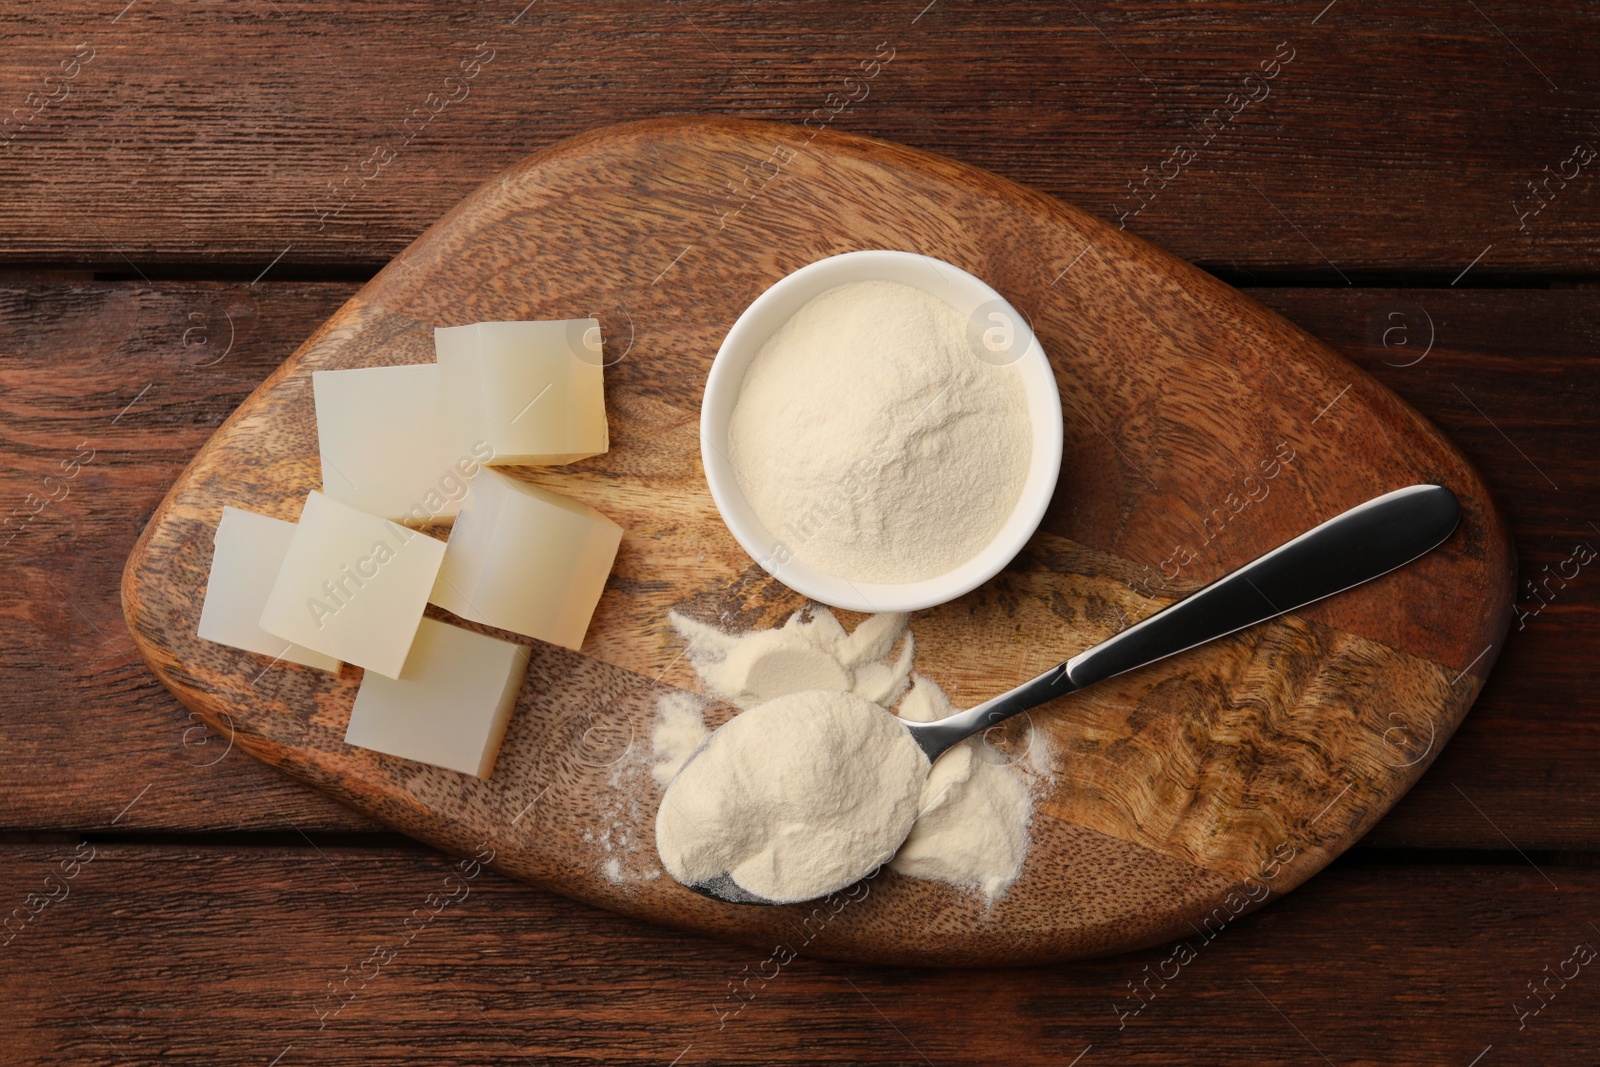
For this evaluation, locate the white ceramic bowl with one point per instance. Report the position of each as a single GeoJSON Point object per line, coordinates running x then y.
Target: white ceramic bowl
{"type": "Point", "coordinates": [1004, 337]}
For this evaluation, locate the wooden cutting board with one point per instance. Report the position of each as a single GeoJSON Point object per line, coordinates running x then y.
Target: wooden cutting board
{"type": "Point", "coordinates": [1201, 430]}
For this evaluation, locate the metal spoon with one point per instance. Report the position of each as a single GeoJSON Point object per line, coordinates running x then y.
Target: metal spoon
{"type": "Point", "coordinates": [1349, 549]}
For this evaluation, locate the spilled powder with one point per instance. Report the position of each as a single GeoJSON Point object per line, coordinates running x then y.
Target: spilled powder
{"type": "Point", "coordinates": [804, 653]}
{"type": "Point", "coordinates": [972, 821]}
{"type": "Point", "coordinates": [621, 809]}
{"type": "Point", "coordinates": [972, 813]}
{"type": "Point", "coordinates": [679, 730]}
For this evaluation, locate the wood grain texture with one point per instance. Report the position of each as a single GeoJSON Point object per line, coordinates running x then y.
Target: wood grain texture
{"type": "Point", "coordinates": [1174, 789]}
{"type": "Point", "coordinates": [1528, 357]}
{"type": "Point", "coordinates": [134, 379]}
{"type": "Point", "coordinates": [230, 134]}
{"type": "Point", "coordinates": [1520, 414]}
{"type": "Point", "coordinates": [234, 956]}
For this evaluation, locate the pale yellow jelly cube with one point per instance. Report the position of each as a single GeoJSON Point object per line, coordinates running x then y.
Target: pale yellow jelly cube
{"type": "Point", "coordinates": [247, 551]}
{"type": "Point", "coordinates": [385, 448]}
{"type": "Point", "coordinates": [352, 585]}
{"type": "Point", "coordinates": [526, 560]}
{"type": "Point", "coordinates": [450, 705]}
{"type": "Point", "coordinates": [534, 391]}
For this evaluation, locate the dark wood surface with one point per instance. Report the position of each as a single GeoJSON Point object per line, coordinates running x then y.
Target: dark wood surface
{"type": "Point", "coordinates": [1398, 154]}
{"type": "Point", "coordinates": [1392, 139]}
{"type": "Point", "coordinates": [227, 954]}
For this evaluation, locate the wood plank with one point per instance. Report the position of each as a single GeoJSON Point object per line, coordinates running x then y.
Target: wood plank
{"type": "Point", "coordinates": [338, 956]}
{"type": "Point", "coordinates": [122, 383]}
{"type": "Point", "coordinates": [236, 136]}
{"type": "Point", "coordinates": [74, 358]}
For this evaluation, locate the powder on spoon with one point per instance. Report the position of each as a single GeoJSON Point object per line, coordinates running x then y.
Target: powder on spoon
{"type": "Point", "coordinates": [974, 809]}
{"type": "Point", "coordinates": [793, 799]}
{"type": "Point", "coordinates": [871, 439]}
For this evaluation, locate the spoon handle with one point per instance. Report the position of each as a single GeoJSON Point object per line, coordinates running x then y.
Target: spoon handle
{"type": "Point", "coordinates": [1356, 546]}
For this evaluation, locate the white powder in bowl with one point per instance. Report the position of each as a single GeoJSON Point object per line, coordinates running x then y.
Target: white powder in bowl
{"type": "Point", "coordinates": [794, 799]}
{"type": "Point", "coordinates": [870, 438]}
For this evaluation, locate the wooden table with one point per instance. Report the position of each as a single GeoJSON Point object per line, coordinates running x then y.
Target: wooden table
{"type": "Point", "coordinates": [191, 189]}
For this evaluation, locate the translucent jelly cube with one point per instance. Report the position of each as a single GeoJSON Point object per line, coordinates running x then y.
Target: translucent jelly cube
{"type": "Point", "coordinates": [534, 391]}
{"type": "Point", "coordinates": [248, 550]}
{"type": "Point", "coordinates": [526, 560]}
{"type": "Point", "coordinates": [450, 705]}
{"type": "Point", "coordinates": [385, 447]}
{"type": "Point", "coordinates": [352, 585]}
